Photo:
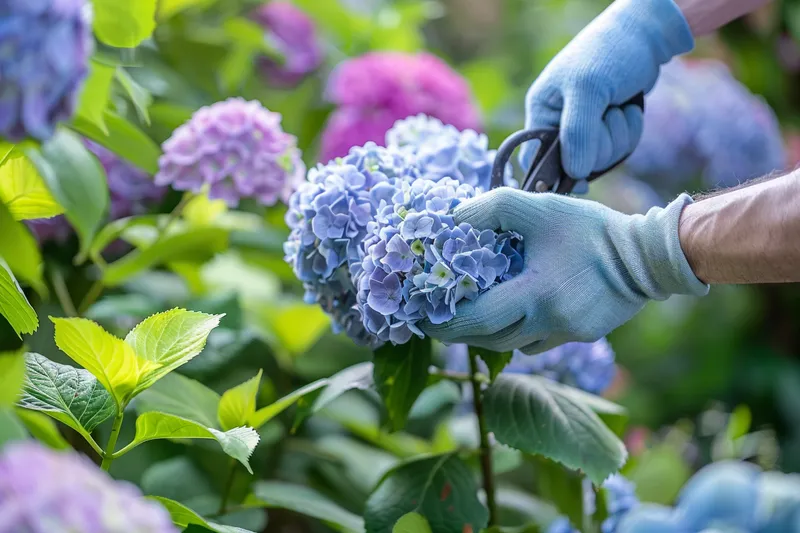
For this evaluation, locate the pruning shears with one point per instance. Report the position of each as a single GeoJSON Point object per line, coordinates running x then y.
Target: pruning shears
{"type": "Point", "coordinates": [546, 173]}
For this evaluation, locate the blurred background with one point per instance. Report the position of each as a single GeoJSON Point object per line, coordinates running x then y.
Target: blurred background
{"type": "Point", "coordinates": [703, 380]}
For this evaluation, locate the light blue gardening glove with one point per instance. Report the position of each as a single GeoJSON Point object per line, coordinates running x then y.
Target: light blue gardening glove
{"type": "Point", "coordinates": [588, 269]}
{"type": "Point", "coordinates": [616, 57]}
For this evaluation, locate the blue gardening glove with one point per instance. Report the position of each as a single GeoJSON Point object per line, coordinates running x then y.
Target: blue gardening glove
{"type": "Point", "coordinates": [588, 269]}
{"type": "Point", "coordinates": [617, 56]}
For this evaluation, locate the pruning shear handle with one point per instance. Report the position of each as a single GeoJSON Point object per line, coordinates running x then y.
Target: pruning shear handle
{"type": "Point", "coordinates": [546, 173]}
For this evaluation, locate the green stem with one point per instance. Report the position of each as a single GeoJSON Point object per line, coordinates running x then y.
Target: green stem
{"type": "Point", "coordinates": [62, 293]}
{"type": "Point", "coordinates": [91, 296]}
{"type": "Point", "coordinates": [173, 215]}
{"type": "Point", "coordinates": [485, 447]}
{"type": "Point", "coordinates": [226, 493]}
{"type": "Point", "coordinates": [108, 456]}
{"type": "Point", "coordinates": [459, 377]}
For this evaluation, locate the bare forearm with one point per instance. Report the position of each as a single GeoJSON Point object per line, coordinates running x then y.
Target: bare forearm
{"type": "Point", "coordinates": [705, 16]}
{"type": "Point", "coordinates": [748, 235]}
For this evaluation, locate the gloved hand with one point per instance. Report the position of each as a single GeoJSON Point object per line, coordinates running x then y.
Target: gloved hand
{"type": "Point", "coordinates": [588, 269]}
{"type": "Point", "coordinates": [617, 56]}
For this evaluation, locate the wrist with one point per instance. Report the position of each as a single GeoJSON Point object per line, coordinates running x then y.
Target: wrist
{"type": "Point", "coordinates": [705, 16]}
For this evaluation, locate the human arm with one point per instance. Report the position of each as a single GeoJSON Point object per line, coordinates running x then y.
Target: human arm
{"type": "Point", "coordinates": [705, 16]}
{"type": "Point", "coordinates": [747, 235]}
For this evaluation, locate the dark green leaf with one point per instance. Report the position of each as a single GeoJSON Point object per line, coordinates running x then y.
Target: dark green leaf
{"type": "Point", "coordinates": [76, 180]}
{"type": "Point", "coordinates": [138, 95]}
{"type": "Point", "coordinates": [124, 23]}
{"type": "Point", "coordinates": [68, 394]}
{"type": "Point", "coordinates": [177, 478]}
{"type": "Point", "coordinates": [536, 415]}
{"type": "Point", "coordinates": [305, 501]}
{"type": "Point", "coordinates": [95, 94]}
{"type": "Point", "coordinates": [180, 396]}
{"type": "Point", "coordinates": [495, 361]}
{"type": "Point", "coordinates": [124, 139]}
{"type": "Point", "coordinates": [14, 305]}
{"type": "Point", "coordinates": [562, 487]}
{"type": "Point", "coordinates": [440, 488]}
{"type": "Point", "coordinates": [355, 377]}
{"type": "Point", "coordinates": [401, 374]}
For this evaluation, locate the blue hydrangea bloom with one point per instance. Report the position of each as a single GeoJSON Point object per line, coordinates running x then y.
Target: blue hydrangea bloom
{"type": "Point", "coordinates": [620, 500]}
{"type": "Point", "coordinates": [725, 496]}
{"type": "Point", "coordinates": [419, 264]}
{"type": "Point", "coordinates": [44, 52]}
{"type": "Point", "coordinates": [440, 150]}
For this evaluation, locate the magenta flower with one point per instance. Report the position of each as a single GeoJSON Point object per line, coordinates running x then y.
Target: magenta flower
{"type": "Point", "coordinates": [375, 90]}
{"type": "Point", "coordinates": [42, 490]}
{"type": "Point", "coordinates": [238, 149]}
{"type": "Point", "coordinates": [294, 35]}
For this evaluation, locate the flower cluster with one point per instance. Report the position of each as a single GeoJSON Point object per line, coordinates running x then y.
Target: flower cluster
{"type": "Point", "coordinates": [729, 138]}
{"type": "Point", "coordinates": [419, 264]}
{"type": "Point", "coordinates": [42, 490]}
{"type": "Point", "coordinates": [620, 500]}
{"type": "Point", "coordinates": [375, 90]}
{"type": "Point", "coordinates": [237, 149]}
{"type": "Point", "coordinates": [293, 34]}
{"type": "Point", "coordinates": [588, 366]}
{"type": "Point", "coordinates": [46, 47]}
{"type": "Point", "coordinates": [725, 496]}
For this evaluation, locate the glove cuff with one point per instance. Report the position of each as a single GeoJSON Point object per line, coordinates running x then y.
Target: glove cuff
{"type": "Point", "coordinates": [663, 23]}
{"type": "Point", "coordinates": [649, 246]}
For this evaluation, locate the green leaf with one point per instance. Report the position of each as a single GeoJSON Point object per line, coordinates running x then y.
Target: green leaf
{"type": "Point", "coordinates": [19, 249]}
{"type": "Point", "coordinates": [183, 517]}
{"type": "Point", "coordinates": [95, 94]}
{"type": "Point", "coordinates": [13, 303]}
{"type": "Point", "coordinates": [440, 488]}
{"type": "Point", "coordinates": [124, 23]}
{"type": "Point", "coordinates": [536, 415]}
{"type": "Point", "coordinates": [116, 228]}
{"type": "Point", "coordinates": [42, 429]}
{"type": "Point", "coordinates": [70, 395]}
{"type": "Point", "coordinates": [124, 139]}
{"type": "Point", "coordinates": [615, 416]}
{"type": "Point", "coordinates": [297, 327]}
{"type": "Point", "coordinates": [23, 190]}
{"type": "Point", "coordinates": [412, 523]}
{"type": "Point", "coordinates": [306, 501]}
{"type": "Point", "coordinates": [178, 395]}
{"type": "Point", "coordinates": [168, 8]}
{"type": "Point", "coordinates": [12, 376]}
{"type": "Point", "coordinates": [355, 377]}
{"type": "Point", "coordinates": [111, 360]}
{"type": "Point", "coordinates": [265, 414]}
{"type": "Point", "coordinates": [401, 374]}
{"type": "Point", "coordinates": [192, 244]}
{"type": "Point", "coordinates": [168, 340]}
{"type": "Point", "coordinates": [238, 405]}
{"type": "Point", "coordinates": [11, 429]}
{"type": "Point", "coordinates": [76, 180]}
{"type": "Point", "coordinates": [138, 95]}
{"type": "Point", "coordinates": [495, 361]}
{"type": "Point", "coordinates": [239, 443]}
{"type": "Point", "coordinates": [560, 486]}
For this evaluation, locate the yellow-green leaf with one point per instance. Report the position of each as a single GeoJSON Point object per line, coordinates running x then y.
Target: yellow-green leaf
{"type": "Point", "coordinates": [23, 190]}
{"type": "Point", "coordinates": [19, 249]}
{"type": "Point", "coordinates": [111, 360]}
{"type": "Point", "coordinates": [297, 327]}
{"type": "Point", "coordinates": [184, 517]}
{"type": "Point", "coordinates": [12, 376]}
{"type": "Point", "coordinates": [13, 303]}
{"type": "Point", "coordinates": [124, 23]}
{"type": "Point", "coordinates": [412, 523]}
{"type": "Point", "coordinates": [201, 211]}
{"type": "Point", "coordinates": [265, 414]}
{"type": "Point", "coordinates": [169, 340]}
{"type": "Point", "coordinates": [95, 94]}
{"type": "Point", "coordinates": [43, 429]}
{"type": "Point", "coordinates": [238, 404]}
{"type": "Point", "coordinates": [239, 443]}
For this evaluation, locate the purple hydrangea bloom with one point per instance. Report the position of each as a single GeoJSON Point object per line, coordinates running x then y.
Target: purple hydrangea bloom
{"type": "Point", "coordinates": [43, 490]}
{"type": "Point", "coordinates": [418, 264]}
{"type": "Point", "coordinates": [620, 500]}
{"type": "Point", "coordinates": [724, 496]}
{"type": "Point", "coordinates": [56, 229]}
{"type": "Point", "coordinates": [729, 138]}
{"type": "Point", "coordinates": [375, 90]}
{"type": "Point", "coordinates": [45, 46]}
{"type": "Point", "coordinates": [236, 148]}
{"type": "Point", "coordinates": [293, 34]}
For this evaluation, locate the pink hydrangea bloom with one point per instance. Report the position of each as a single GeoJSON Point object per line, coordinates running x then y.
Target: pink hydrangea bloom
{"type": "Point", "coordinates": [375, 90]}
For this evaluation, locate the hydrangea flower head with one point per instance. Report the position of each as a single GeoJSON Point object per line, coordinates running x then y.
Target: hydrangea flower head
{"type": "Point", "coordinates": [42, 490]}
{"type": "Point", "coordinates": [725, 496]}
{"type": "Point", "coordinates": [45, 46]}
{"type": "Point", "coordinates": [55, 229]}
{"type": "Point", "coordinates": [419, 264]}
{"type": "Point", "coordinates": [375, 90]}
{"type": "Point", "coordinates": [238, 149]}
{"type": "Point", "coordinates": [294, 35]}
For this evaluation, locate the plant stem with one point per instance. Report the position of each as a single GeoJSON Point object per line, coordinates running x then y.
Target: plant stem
{"type": "Point", "coordinates": [108, 456]}
{"type": "Point", "coordinates": [226, 494]}
{"type": "Point", "coordinates": [62, 293]}
{"type": "Point", "coordinates": [91, 296]}
{"type": "Point", "coordinates": [459, 377]}
{"type": "Point", "coordinates": [173, 215]}
{"type": "Point", "coordinates": [485, 450]}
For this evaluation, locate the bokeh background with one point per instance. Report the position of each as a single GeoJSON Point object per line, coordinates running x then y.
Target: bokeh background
{"type": "Point", "coordinates": [703, 380]}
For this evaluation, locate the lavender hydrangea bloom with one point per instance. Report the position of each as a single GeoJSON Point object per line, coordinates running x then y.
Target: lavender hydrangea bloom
{"type": "Point", "coordinates": [441, 150]}
{"type": "Point", "coordinates": [45, 46]}
{"type": "Point", "coordinates": [620, 499]}
{"type": "Point", "coordinates": [56, 229]}
{"type": "Point", "coordinates": [293, 34]}
{"type": "Point", "coordinates": [42, 490]}
{"type": "Point", "coordinates": [238, 149]}
{"type": "Point", "coordinates": [419, 264]}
